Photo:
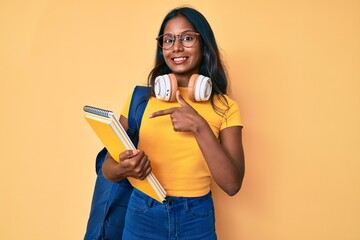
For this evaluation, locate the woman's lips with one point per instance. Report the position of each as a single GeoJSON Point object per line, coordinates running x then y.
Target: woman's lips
{"type": "Point", "coordinates": [179, 60]}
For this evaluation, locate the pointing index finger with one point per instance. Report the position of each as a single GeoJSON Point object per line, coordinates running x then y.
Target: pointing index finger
{"type": "Point", "coordinates": [162, 112]}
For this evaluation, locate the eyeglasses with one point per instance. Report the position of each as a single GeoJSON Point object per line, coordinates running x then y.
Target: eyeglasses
{"type": "Point", "coordinates": [187, 39]}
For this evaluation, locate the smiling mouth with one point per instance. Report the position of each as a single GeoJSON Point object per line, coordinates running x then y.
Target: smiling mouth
{"type": "Point", "coordinates": [179, 60]}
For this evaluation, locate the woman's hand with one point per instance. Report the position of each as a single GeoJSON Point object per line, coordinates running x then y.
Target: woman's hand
{"type": "Point", "coordinates": [184, 118]}
{"type": "Point", "coordinates": [133, 163]}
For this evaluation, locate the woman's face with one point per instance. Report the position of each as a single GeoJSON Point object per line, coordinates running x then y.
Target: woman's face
{"type": "Point", "coordinates": [182, 61]}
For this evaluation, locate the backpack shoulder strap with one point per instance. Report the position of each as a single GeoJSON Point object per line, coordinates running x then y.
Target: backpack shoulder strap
{"type": "Point", "coordinates": [137, 107]}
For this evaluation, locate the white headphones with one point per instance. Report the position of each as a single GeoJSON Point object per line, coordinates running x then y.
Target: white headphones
{"type": "Point", "coordinates": [199, 87]}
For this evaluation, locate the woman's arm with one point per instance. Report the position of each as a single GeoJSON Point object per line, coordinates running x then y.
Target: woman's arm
{"type": "Point", "coordinates": [225, 158]}
{"type": "Point", "coordinates": [133, 163]}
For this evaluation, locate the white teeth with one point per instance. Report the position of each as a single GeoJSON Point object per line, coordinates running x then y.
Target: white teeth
{"type": "Point", "coordinates": [179, 59]}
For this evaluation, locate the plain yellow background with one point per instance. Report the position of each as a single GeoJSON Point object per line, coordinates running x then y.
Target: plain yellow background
{"type": "Point", "coordinates": [295, 72]}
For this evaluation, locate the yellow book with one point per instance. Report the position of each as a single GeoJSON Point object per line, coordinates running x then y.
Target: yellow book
{"type": "Point", "coordinates": [115, 139]}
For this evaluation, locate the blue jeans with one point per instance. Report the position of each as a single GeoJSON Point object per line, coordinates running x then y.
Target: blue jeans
{"type": "Point", "coordinates": [177, 218]}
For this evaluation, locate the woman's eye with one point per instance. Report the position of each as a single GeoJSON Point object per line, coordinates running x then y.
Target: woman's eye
{"type": "Point", "coordinates": [168, 40]}
{"type": "Point", "coordinates": [187, 38]}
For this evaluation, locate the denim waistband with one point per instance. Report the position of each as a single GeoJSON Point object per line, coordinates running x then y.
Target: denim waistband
{"type": "Point", "coordinates": [172, 201]}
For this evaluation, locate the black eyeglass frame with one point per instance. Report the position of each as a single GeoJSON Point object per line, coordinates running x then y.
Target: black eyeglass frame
{"type": "Point", "coordinates": [173, 37]}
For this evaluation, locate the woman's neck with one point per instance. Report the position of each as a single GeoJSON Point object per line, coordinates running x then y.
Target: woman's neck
{"type": "Point", "coordinates": [183, 80]}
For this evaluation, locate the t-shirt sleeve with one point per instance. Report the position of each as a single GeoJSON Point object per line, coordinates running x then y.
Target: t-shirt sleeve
{"type": "Point", "coordinates": [126, 107]}
{"type": "Point", "coordinates": [232, 116]}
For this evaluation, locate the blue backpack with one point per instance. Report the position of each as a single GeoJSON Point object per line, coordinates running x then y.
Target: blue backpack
{"type": "Point", "coordinates": [110, 199]}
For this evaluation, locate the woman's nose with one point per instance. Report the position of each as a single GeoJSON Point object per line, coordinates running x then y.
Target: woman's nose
{"type": "Point", "coordinates": [178, 47]}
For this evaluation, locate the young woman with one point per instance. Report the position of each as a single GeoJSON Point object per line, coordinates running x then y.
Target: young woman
{"type": "Point", "coordinates": [188, 140]}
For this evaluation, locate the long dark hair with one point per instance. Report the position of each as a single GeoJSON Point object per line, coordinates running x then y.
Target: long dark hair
{"type": "Point", "coordinates": [211, 65]}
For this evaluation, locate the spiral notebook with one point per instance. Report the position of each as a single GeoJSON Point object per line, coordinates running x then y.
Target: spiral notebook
{"type": "Point", "coordinates": [115, 139]}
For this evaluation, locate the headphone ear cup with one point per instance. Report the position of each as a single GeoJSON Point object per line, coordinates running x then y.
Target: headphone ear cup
{"type": "Point", "coordinates": [165, 87]}
{"type": "Point", "coordinates": [192, 87]}
{"type": "Point", "coordinates": [199, 88]}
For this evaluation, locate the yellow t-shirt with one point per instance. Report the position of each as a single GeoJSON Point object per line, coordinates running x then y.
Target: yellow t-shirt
{"type": "Point", "coordinates": [176, 159]}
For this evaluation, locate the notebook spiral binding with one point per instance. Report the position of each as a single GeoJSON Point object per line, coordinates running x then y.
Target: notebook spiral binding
{"type": "Point", "coordinates": [98, 111]}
